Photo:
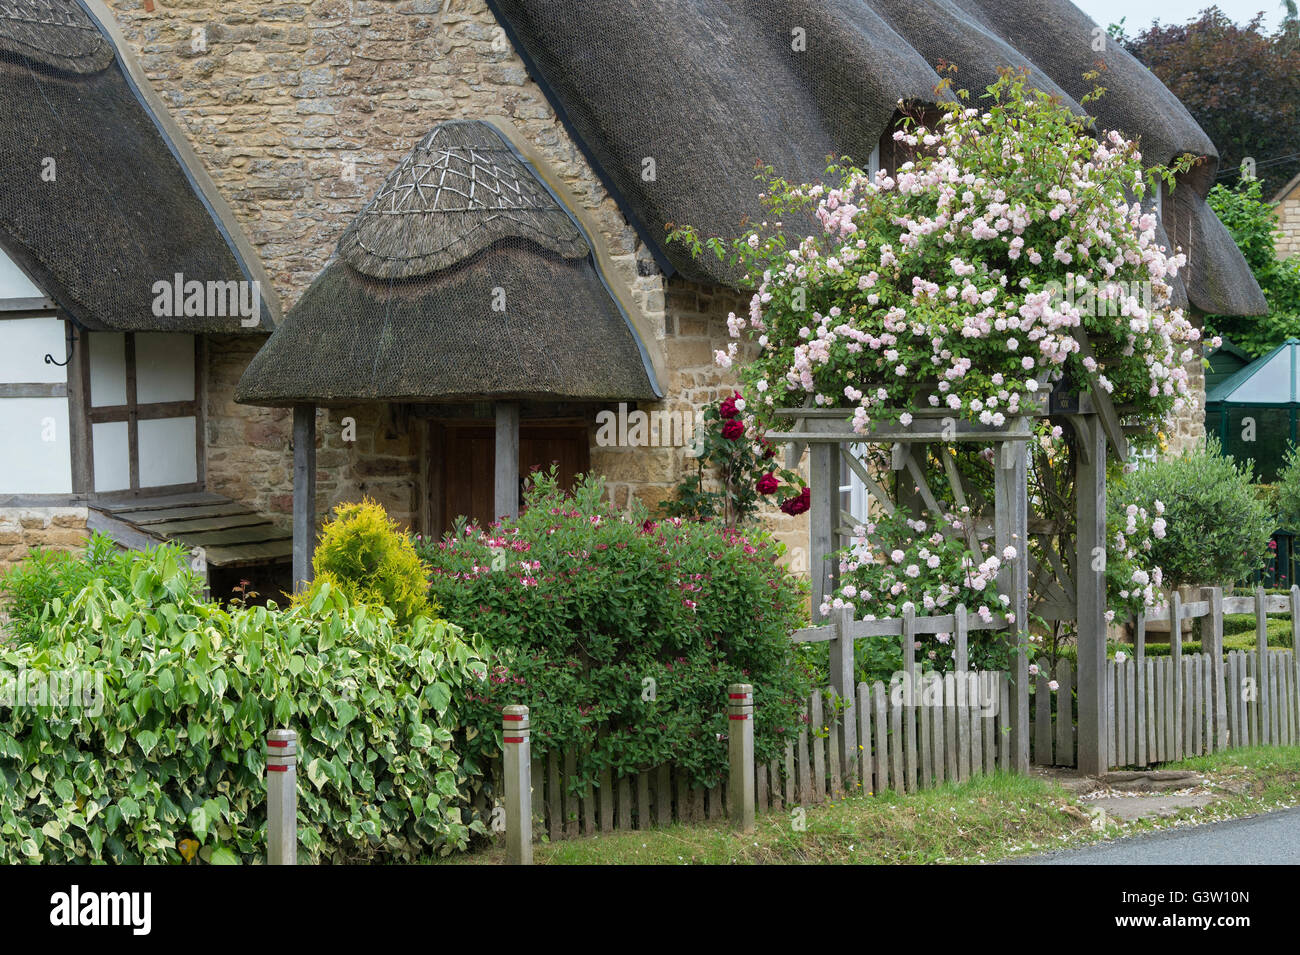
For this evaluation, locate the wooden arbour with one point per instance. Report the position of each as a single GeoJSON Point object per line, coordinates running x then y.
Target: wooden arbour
{"type": "Point", "coordinates": [1096, 431]}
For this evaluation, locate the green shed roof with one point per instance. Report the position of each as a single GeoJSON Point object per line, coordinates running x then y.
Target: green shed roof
{"type": "Point", "coordinates": [1271, 380]}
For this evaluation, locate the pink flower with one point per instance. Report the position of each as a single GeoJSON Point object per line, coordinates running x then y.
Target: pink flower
{"type": "Point", "coordinates": [767, 484]}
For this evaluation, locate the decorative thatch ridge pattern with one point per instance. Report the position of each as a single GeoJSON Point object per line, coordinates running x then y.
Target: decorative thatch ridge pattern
{"type": "Point", "coordinates": [707, 87]}
{"type": "Point", "coordinates": [463, 279]}
{"type": "Point", "coordinates": [458, 191]}
{"type": "Point", "coordinates": [54, 33]}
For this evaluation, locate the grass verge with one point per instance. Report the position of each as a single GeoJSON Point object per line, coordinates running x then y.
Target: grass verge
{"type": "Point", "coordinates": [984, 820]}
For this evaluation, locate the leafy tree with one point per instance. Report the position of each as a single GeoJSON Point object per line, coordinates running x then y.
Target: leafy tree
{"type": "Point", "coordinates": [1254, 229]}
{"type": "Point", "coordinates": [1240, 83]}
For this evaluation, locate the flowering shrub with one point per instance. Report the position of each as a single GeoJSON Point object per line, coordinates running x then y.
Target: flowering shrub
{"type": "Point", "coordinates": [743, 469]}
{"type": "Point", "coordinates": [930, 570]}
{"type": "Point", "coordinates": [622, 635]}
{"type": "Point", "coordinates": [1206, 524]}
{"type": "Point", "coordinates": [967, 280]}
{"type": "Point", "coordinates": [1011, 257]}
{"type": "Point", "coordinates": [1133, 579]}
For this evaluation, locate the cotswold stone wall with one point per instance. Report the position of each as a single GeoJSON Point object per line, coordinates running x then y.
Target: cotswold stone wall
{"type": "Point", "coordinates": [1287, 211]}
{"type": "Point", "coordinates": [51, 528]}
{"type": "Point", "coordinates": [250, 450]}
{"type": "Point", "coordinates": [299, 110]}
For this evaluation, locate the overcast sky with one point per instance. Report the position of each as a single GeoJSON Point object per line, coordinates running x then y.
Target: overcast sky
{"type": "Point", "coordinates": [1140, 13]}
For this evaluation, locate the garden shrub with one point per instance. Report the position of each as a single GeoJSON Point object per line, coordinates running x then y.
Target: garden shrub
{"type": "Point", "coordinates": [164, 758]}
{"type": "Point", "coordinates": [29, 587]}
{"type": "Point", "coordinates": [364, 553]}
{"type": "Point", "coordinates": [623, 634]}
{"type": "Point", "coordinates": [1207, 524]}
{"type": "Point", "coordinates": [1286, 492]}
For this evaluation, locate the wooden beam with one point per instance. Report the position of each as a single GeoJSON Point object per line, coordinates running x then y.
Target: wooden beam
{"type": "Point", "coordinates": [506, 495]}
{"type": "Point", "coordinates": [304, 494]}
{"type": "Point", "coordinates": [824, 485]}
{"type": "Point", "coordinates": [1101, 401]}
{"type": "Point", "coordinates": [1089, 568]}
{"type": "Point", "coordinates": [1011, 529]}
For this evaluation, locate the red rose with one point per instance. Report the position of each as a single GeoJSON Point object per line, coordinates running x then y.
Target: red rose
{"type": "Point", "coordinates": [767, 484]}
{"type": "Point", "coordinates": [733, 429]}
{"type": "Point", "coordinates": [728, 408]}
{"type": "Point", "coordinates": [797, 505]}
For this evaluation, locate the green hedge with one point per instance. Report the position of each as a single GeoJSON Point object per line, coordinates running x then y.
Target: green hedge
{"type": "Point", "coordinates": [170, 761]}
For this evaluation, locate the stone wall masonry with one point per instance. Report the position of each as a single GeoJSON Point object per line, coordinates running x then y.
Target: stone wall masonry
{"type": "Point", "coordinates": [299, 110]}
{"type": "Point", "coordinates": [50, 528]}
{"type": "Point", "coordinates": [1288, 221]}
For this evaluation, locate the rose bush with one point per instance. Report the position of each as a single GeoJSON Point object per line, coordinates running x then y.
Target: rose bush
{"type": "Point", "coordinates": [1012, 256]}
{"type": "Point", "coordinates": [621, 633]}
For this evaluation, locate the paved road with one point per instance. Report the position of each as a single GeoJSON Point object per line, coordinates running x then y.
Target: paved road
{"type": "Point", "coordinates": [1271, 838]}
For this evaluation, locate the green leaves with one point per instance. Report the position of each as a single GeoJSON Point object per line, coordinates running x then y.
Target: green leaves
{"type": "Point", "coordinates": [176, 754]}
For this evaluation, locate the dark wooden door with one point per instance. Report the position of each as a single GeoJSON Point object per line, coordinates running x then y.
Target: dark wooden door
{"type": "Point", "coordinates": [462, 462]}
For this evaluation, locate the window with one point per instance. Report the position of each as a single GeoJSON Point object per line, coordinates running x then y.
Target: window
{"type": "Point", "coordinates": [143, 411]}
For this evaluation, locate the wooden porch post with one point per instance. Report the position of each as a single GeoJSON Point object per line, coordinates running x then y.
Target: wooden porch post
{"type": "Point", "coordinates": [1090, 570]}
{"type": "Point", "coordinates": [506, 499]}
{"type": "Point", "coordinates": [304, 494]}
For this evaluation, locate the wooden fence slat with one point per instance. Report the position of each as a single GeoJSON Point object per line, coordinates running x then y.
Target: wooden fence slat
{"type": "Point", "coordinates": [951, 754]}
{"type": "Point", "coordinates": [572, 820]}
{"type": "Point", "coordinates": [818, 742]}
{"type": "Point", "coordinates": [1111, 723]}
{"type": "Point", "coordinates": [805, 765]}
{"type": "Point", "coordinates": [606, 800]}
{"type": "Point", "coordinates": [924, 732]}
{"type": "Point", "coordinates": [1176, 669]}
{"type": "Point", "coordinates": [1042, 734]}
{"type": "Point", "coordinates": [774, 774]}
{"type": "Point", "coordinates": [555, 795]}
{"type": "Point", "coordinates": [589, 825]}
{"type": "Point", "coordinates": [624, 797]}
{"type": "Point", "coordinates": [976, 721]}
{"type": "Point", "coordinates": [539, 795]}
{"type": "Point", "coordinates": [643, 818]}
{"type": "Point", "coordinates": [896, 748]}
{"type": "Point", "coordinates": [964, 746]}
{"type": "Point", "coordinates": [882, 734]}
{"type": "Point", "coordinates": [1143, 688]}
{"type": "Point", "coordinates": [833, 750]}
{"type": "Point", "coordinates": [760, 788]}
{"type": "Point", "coordinates": [790, 798]}
{"type": "Point", "coordinates": [1261, 648]}
{"type": "Point", "coordinates": [866, 768]}
{"type": "Point", "coordinates": [1064, 713]}
{"type": "Point", "coordinates": [908, 639]}
{"type": "Point", "coordinates": [997, 751]}
{"type": "Point", "coordinates": [1130, 712]}
{"type": "Point", "coordinates": [1218, 677]}
{"type": "Point", "coordinates": [938, 710]}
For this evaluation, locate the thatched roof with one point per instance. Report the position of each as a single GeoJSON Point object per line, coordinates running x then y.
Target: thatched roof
{"type": "Point", "coordinates": [706, 87]}
{"type": "Point", "coordinates": [463, 278]}
{"type": "Point", "coordinates": [94, 203]}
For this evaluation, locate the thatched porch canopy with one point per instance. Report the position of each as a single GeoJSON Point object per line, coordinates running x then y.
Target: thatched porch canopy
{"type": "Point", "coordinates": [463, 278]}
{"type": "Point", "coordinates": [96, 204]}
{"type": "Point", "coordinates": [707, 88]}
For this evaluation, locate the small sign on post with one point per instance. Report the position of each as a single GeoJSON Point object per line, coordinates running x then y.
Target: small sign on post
{"type": "Point", "coordinates": [519, 785]}
{"type": "Point", "coordinates": [282, 797]}
{"type": "Point", "coordinates": [740, 739]}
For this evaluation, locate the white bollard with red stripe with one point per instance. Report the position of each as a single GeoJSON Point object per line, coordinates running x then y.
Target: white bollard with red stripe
{"type": "Point", "coordinates": [282, 797]}
{"type": "Point", "coordinates": [740, 740]}
{"type": "Point", "coordinates": [517, 755]}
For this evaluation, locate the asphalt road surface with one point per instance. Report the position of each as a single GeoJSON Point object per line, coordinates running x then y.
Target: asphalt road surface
{"type": "Point", "coordinates": [1271, 838]}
